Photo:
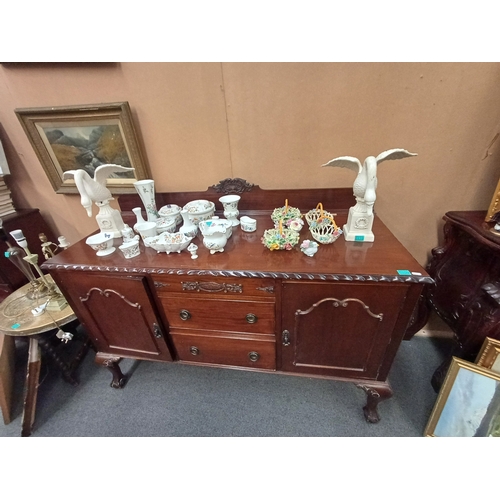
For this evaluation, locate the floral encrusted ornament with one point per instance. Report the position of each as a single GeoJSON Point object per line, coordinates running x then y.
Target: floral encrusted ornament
{"type": "Point", "coordinates": [279, 238]}
{"type": "Point", "coordinates": [289, 216]}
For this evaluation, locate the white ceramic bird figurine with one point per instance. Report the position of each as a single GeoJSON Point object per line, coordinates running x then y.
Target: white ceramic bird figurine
{"type": "Point", "coordinates": [360, 219]}
{"type": "Point", "coordinates": [94, 189]}
{"type": "Point", "coordinates": [109, 219]}
{"type": "Point", "coordinates": [365, 184]}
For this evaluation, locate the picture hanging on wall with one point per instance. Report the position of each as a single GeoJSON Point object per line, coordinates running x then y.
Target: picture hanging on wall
{"type": "Point", "coordinates": [85, 137]}
{"type": "Point", "coordinates": [468, 404]}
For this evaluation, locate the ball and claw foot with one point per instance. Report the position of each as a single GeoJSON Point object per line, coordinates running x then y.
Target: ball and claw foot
{"type": "Point", "coordinates": [374, 394]}
{"type": "Point", "coordinates": [112, 364]}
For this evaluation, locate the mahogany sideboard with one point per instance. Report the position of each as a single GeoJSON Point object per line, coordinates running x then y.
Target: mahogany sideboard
{"type": "Point", "coordinates": [466, 293]}
{"type": "Point", "coordinates": [341, 314]}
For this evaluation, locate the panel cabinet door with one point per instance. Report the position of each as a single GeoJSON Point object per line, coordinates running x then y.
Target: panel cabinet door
{"type": "Point", "coordinates": [118, 312]}
{"type": "Point", "coordinates": [339, 330]}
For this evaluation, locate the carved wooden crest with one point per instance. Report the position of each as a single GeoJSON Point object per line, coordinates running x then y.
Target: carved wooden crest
{"type": "Point", "coordinates": [233, 186]}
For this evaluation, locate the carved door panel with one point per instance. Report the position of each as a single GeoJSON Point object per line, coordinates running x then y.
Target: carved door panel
{"type": "Point", "coordinates": [118, 312]}
{"type": "Point", "coordinates": [339, 330]}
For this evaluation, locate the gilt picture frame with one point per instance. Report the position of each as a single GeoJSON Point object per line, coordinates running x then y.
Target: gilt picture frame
{"type": "Point", "coordinates": [489, 355]}
{"type": "Point", "coordinates": [85, 136]}
{"type": "Point", "coordinates": [468, 404]}
{"type": "Point", "coordinates": [494, 204]}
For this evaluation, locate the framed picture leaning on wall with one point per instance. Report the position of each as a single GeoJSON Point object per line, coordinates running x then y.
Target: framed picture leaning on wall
{"type": "Point", "coordinates": [468, 404]}
{"type": "Point", "coordinates": [489, 355]}
{"type": "Point", "coordinates": [85, 136]}
{"type": "Point", "coordinates": [494, 204]}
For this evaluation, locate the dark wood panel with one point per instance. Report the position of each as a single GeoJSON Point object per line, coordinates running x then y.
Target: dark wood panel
{"type": "Point", "coordinates": [119, 311]}
{"type": "Point", "coordinates": [253, 354]}
{"type": "Point", "coordinates": [249, 316]}
{"type": "Point", "coordinates": [338, 329]}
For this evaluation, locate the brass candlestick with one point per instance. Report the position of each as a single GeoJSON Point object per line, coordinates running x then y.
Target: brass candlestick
{"type": "Point", "coordinates": [57, 302]}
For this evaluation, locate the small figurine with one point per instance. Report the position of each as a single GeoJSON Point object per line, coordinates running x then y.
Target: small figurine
{"type": "Point", "coordinates": [309, 247]}
{"type": "Point", "coordinates": [127, 233]}
{"type": "Point", "coordinates": [46, 250]}
{"type": "Point", "coordinates": [192, 249]}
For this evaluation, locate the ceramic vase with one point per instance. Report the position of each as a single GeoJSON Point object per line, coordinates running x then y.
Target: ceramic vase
{"type": "Point", "coordinates": [138, 215]}
{"type": "Point", "coordinates": [146, 190]}
{"type": "Point", "coordinates": [230, 204]}
{"type": "Point", "coordinates": [189, 228]}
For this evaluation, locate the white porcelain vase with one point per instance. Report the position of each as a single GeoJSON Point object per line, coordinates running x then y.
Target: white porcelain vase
{"type": "Point", "coordinates": [146, 190]}
{"type": "Point", "coordinates": [189, 228]}
{"type": "Point", "coordinates": [230, 204]}
{"type": "Point", "coordinates": [138, 215]}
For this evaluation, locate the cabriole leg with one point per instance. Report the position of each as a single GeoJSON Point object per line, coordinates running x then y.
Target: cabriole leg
{"type": "Point", "coordinates": [374, 394]}
{"type": "Point", "coordinates": [112, 364]}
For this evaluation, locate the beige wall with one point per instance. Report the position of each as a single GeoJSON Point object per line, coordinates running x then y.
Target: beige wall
{"type": "Point", "coordinates": [275, 124]}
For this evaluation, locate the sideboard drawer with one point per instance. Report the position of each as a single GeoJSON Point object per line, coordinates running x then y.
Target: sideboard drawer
{"type": "Point", "coordinates": [220, 315]}
{"type": "Point", "coordinates": [218, 287]}
{"type": "Point", "coordinates": [259, 354]}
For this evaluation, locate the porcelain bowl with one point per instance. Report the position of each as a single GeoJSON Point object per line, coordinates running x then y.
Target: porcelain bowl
{"type": "Point", "coordinates": [102, 243]}
{"type": "Point", "coordinates": [200, 210]}
{"type": "Point", "coordinates": [175, 242]}
{"type": "Point", "coordinates": [155, 242]}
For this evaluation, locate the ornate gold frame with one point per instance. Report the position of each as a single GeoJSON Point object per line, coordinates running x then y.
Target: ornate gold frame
{"type": "Point", "coordinates": [448, 384]}
{"type": "Point", "coordinates": [494, 204]}
{"type": "Point", "coordinates": [489, 355]}
{"type": "Point", "coordinates": [33, 121]}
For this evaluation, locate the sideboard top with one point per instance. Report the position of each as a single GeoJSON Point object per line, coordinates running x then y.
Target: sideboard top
{"type": "Point", "coordinates": [384, 260]}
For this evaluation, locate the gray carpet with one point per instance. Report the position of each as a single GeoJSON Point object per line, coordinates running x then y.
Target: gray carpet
{"type": "Point", "coordinates": [167, 399]}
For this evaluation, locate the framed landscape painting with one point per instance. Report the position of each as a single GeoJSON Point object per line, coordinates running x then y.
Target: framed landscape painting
{"type": "Point", "coordinates": [489, 355]}
{"type": "Point", "coordinates": [468, 404]}
{"type": "Point", "coordinates": [84, 137]}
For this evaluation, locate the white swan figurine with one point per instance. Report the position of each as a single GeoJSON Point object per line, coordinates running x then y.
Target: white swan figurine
{"type": "Point", "coordinates": [360, 219]}
{"type": "Point", "coordinates": [94, 189]}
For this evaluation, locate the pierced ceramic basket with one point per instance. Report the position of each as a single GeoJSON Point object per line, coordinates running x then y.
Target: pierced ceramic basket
{"type": "Point", "coordinates": [322, 225]}
{"type": "Point", "coordinates": [318, 216]}
{"type": "Point", "coordinates": [325, 233]}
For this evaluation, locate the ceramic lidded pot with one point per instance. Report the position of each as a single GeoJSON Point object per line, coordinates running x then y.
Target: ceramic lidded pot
{"type": "Point", "coordinates": [199, 210]}
{"type": "Point", "coordinates": [165, 225]}
{"type": "Point", "coordinates": [171, 210]}
{"type": "Point", "coordinates": [248, 224]}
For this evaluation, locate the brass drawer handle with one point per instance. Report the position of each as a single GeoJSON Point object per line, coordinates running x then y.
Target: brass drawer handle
{"type": "Point", "coordinates": [157, 331]}
{"type": "Point", "coordinates": [194, 350]}
{"type": "Point", "coordinates": [251, 318]}
{"type": "Point", "coordinates": [185, 315]}
{"type": "Point", "coordinates": [285, 336]}
{"type": "Point", "coordinates": [253, 356]}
